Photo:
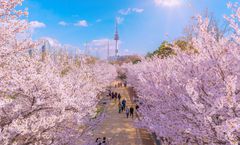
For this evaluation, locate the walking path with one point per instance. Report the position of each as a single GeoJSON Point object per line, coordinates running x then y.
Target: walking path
{"type": "Point", "coordinates": [118, 129]}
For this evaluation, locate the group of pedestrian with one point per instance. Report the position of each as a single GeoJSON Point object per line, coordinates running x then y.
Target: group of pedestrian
{"type": "Point", "coordinates": [115, 95]}
{"type": "Point", "coordinates": [118, 85]}
{"type": "Point", "coordinates": [122, 103]}
{"type": "Point", "coordinates": [121, 84]}
{"type": "Point", "coordinates": [102, 141]}
{"type": "Point", "coordinates": [129, 111]}
{"type": "Point", "coordinates": [122, 106]}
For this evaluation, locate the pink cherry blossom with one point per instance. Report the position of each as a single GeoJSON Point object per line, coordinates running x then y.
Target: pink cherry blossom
{"type": "Point", "coordinates": [45, 98]}
{"type": "Point", "coordinates": [193, 98]}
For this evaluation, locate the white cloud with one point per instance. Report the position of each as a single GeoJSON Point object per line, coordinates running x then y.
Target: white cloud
{"type": "Point", "coordinates": [125, 52]}
{"type": "Point", "coordinates": [99, 42]}
{"type": "Point", "coordinates": [119, 20]}
{"type": "Point", "coordinates": [36, 24]}
{"type": "Point", "coordinates": [82, 23]}
{"type": "Point", "coordinates": [125, 11]}
{"type": "Point", "coordinates": [137, 10]}
{"type": "Point", "coordinates": [103, 43]}
{"type": "Point", "coordinates": [63, 23]}
{"type": "Point", "coordinates": [100, 47]}
{"type": "Point", "coordinates": [130, 10]}
{"type": "Point", "coordinates": [168, 3]}
{"type": "Point", "coordinates": [52, 42]}
{"type": "Point", "coordinates": [55, 45]}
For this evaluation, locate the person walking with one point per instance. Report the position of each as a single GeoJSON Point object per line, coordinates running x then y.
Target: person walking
{"type": "Point", "coordinates": [125, 84]}
{"type": "Point", "coordinates": [119, 97]}
{"type": "Point", "coordinates": [131, 111]}
{"type": "Point", "coordinates": [124, 102]}
{"type": "Point", "coordinates": [98, 141]}
{"type": "Point", "coordinates": [115, 97]}
{"type": "Point", "coordinates": [127, 112]}
{"type": "Point", "coordinates": [112, 94]}
{"type": "Point", "coordinates": [137, 107]}
{"type": "Point", "coordinates": [105, 142]}
{"type": "Point", "coordinates": [122, 108]}
{"type": "Point", "coordinates": [119, 107]}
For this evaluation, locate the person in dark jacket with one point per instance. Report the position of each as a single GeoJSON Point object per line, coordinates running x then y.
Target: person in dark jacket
{"type": "Point", "coordinates": [112, 94]}
{"type": "Point", "coordinates": [124, 102]}
{"type": "Point", "coordinates": [119, 97]}
{"type": "Point", "coordinates": [131, 111]}
{"type": "Point", "coordinates": [137, 107]}
{"type": "Point", "coordinates": [105, 142]}
{"type": "Point", "coordinates": [98, 141]}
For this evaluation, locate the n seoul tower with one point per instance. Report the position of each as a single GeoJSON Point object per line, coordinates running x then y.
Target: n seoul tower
{"type": "Point", "coordinates": [116, 38]}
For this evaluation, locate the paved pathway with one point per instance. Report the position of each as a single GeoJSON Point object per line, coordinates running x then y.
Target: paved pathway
{"type": "Point", "coordinates": [118, 129]}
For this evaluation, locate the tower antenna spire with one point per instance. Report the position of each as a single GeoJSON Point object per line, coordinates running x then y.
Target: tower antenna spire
{"type": "Point", "coordinates": [116, 38]}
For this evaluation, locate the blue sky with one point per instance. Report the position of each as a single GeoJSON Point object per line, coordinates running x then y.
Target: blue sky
{"type": "Point", "coordinates": [144, 23]}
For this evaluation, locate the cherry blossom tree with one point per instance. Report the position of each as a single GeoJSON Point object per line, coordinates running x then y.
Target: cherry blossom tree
{"type": "Point", "coordinates": [44, 101]}
{"type": "Point", "coordinates": [193, 97]}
